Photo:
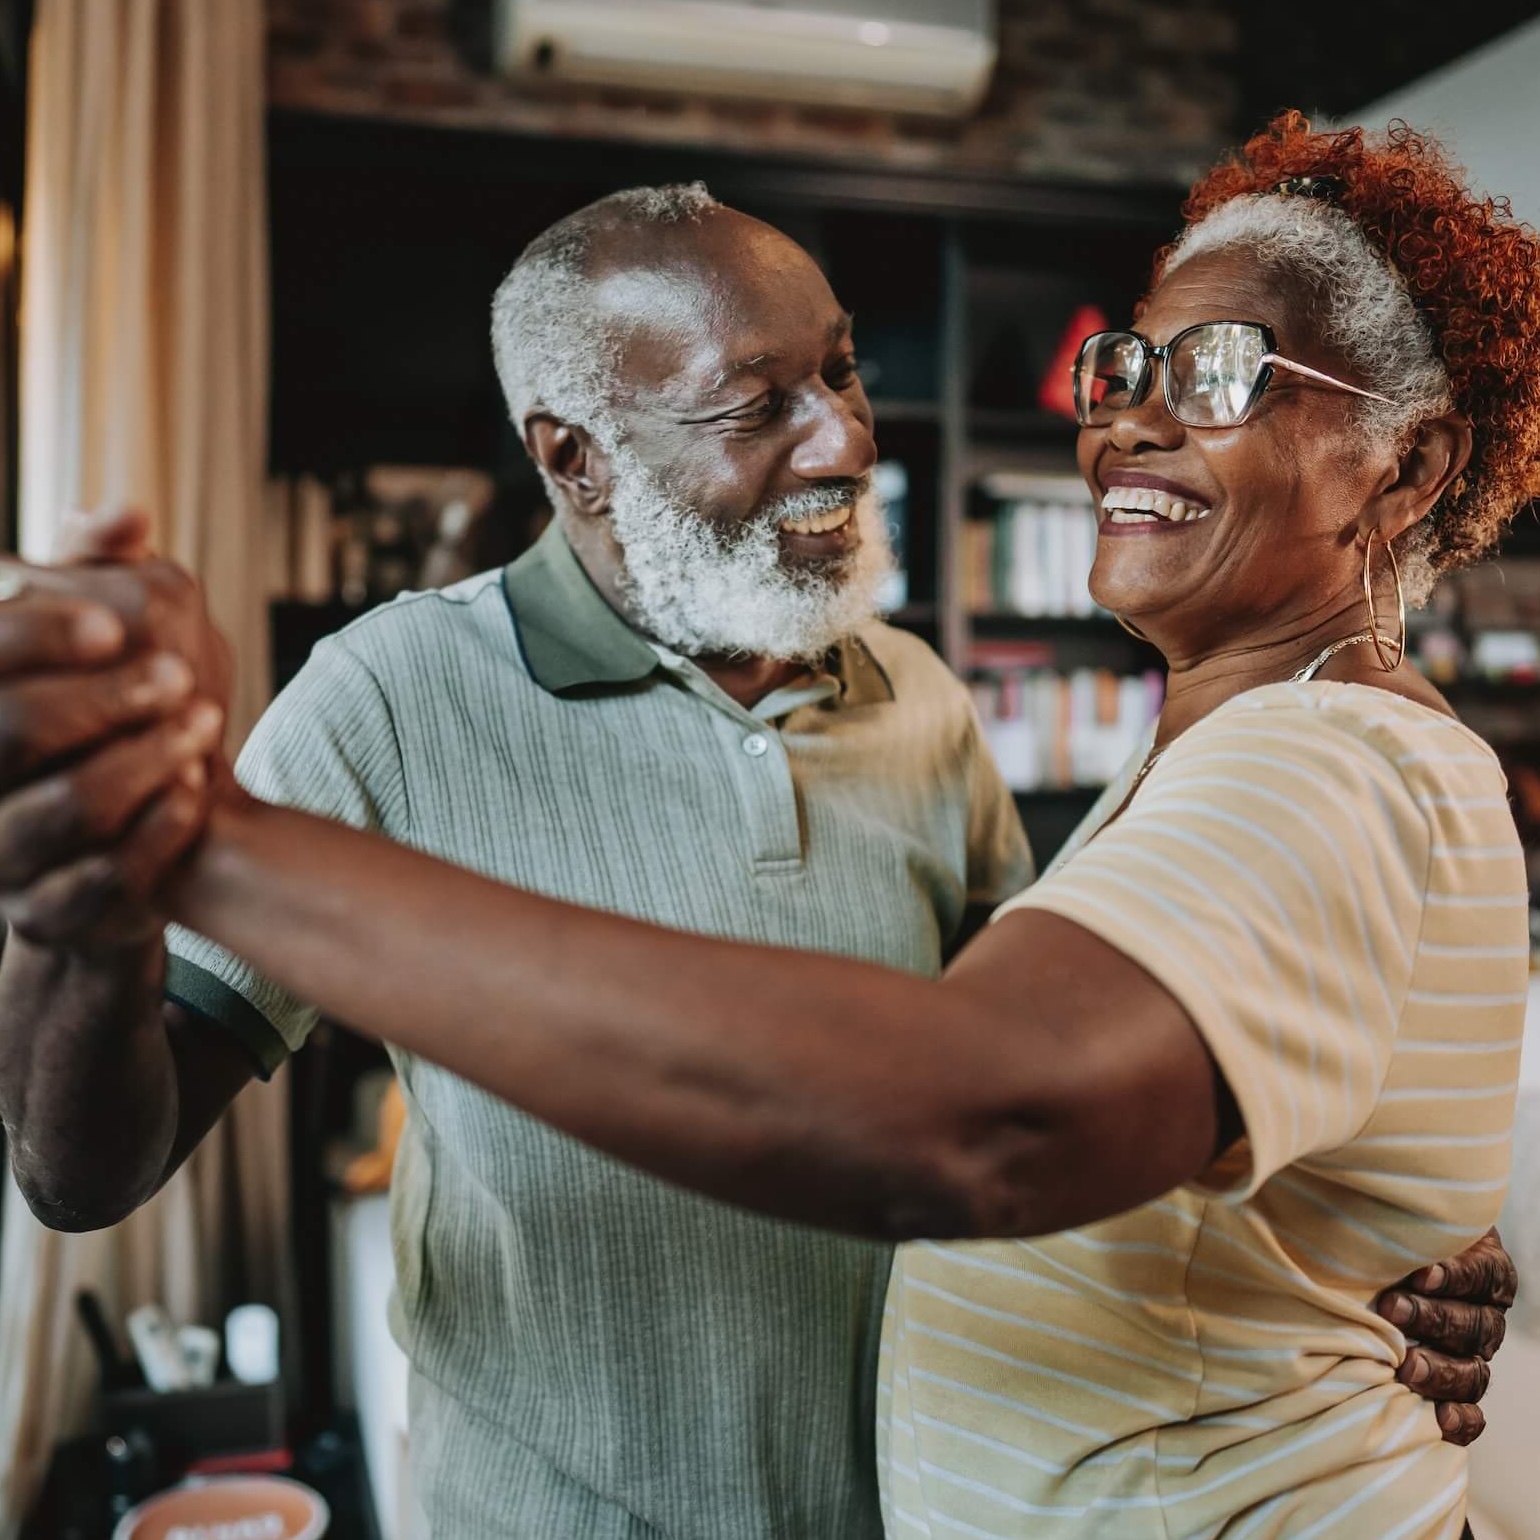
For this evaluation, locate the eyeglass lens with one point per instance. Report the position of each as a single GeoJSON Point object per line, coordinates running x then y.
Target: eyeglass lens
{"type": "Point", "coordinates": [1211, 374]}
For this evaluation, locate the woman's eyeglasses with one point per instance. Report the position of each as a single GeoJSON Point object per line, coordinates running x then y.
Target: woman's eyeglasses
{"type": "Point", "coordinates": [1214, 374]}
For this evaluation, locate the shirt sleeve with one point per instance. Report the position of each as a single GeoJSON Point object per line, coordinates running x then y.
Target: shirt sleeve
{"type": "Point", "coordinates": [1000, 860]}
{"type": "Point", "coordinates": [1271, 875]}
{"type": "Point", "coordinates": [327, 745]}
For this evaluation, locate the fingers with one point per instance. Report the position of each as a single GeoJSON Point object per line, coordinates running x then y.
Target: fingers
{"type": "Point", "coordinates": [42, 630]}
{"type": "Point", "coordinates": [103, 534]}
{"type": "Point", "coordinates": [107, 899]}
{"type": "Point", "coordinates": [1438, 1378]}
{"type": "Point", "coordinates": [66, 817]}
{"type": "Point", "coordinates": [156, 605]}
{"type": "Point", "coordinates": [151, 599]}
{"type": "Point", "coordinates": [1484, 1274]}
{"type": "Point", "coordinates": [1449, 1326]}
{"type": "Point", "coordinates": [1461, 1424]}
{"type": "Point", "coordinates": [47, 716]}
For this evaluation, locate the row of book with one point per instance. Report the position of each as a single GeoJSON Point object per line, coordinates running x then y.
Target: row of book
{"type": "Point", "coordinates": [1051, 731]}
{"type": "Point", "coordinates": [1032, 557]}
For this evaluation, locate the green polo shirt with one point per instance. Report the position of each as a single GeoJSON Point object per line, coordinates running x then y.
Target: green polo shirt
{"type": "Point", "coordinates": [596, 1355]}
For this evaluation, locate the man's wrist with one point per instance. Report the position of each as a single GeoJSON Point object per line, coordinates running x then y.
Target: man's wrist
{"type": "Point", "coordinates": [126, 963]}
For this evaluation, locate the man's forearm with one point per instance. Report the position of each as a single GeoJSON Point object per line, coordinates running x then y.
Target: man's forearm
{"type": "Point", "coordinates": [88, 1086]}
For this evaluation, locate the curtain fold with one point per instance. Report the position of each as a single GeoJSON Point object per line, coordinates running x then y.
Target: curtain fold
{"type": "Point", "coordinates": [144, 377]}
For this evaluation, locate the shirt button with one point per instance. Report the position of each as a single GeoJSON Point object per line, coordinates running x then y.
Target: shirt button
{"type": "Point", "coordinates": [756, 745]}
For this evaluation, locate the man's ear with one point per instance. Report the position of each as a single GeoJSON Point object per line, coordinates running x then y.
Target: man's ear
{"type": "Point", "coordinates": [571, 458]}
{"type": "Point", "coordinates": [1437, 455]}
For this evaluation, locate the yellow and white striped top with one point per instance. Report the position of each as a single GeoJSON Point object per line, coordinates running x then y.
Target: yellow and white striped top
{"type": "Point", "coordinates": [1328, 878]}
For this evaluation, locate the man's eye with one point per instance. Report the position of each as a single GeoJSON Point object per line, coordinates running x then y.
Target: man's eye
{"type": "Point", "coordinates": [760, 411]}
{"type": "Point", "coordinates": [845, 373]}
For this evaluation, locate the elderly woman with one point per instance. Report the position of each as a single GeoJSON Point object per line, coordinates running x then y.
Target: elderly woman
{"type": "Point", "coordinates": [1241, 1059]}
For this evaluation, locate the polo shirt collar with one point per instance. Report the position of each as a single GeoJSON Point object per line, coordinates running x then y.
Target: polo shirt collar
{"type": "Point", "coordinates": [568, 633]}
{"type": "Point", "coordinates": [863, 680]}
{"type": "Point", "coordinates": [572, 639]}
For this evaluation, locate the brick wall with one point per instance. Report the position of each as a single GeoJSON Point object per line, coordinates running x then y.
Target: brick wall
{"type": "Point", "coordinates": [1105, 90]}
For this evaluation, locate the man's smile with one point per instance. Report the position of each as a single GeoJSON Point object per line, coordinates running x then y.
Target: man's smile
{"type": "Point", "coordinates": [821, 536]}
{"type": "Point", "coordinates": [819, 523]}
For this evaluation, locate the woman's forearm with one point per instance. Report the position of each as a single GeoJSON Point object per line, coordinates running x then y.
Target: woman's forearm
{"type": "Point", "coordinates": [807, 1086]}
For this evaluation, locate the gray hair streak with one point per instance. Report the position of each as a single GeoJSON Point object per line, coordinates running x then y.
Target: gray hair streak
{"type": "Point", "coordinates": [1364, 314]}
{"type": "Point", "coordinates": [550, 346]}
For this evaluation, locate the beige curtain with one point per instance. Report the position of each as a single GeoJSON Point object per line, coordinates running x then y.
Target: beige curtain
{"type": "Point", "coordinates": [144, 298]}
{"type": "Point", "coordinates": [144, 381]}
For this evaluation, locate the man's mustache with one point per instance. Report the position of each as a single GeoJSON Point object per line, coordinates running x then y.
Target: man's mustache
{"type": "Point", "coordinates": [826, 497]}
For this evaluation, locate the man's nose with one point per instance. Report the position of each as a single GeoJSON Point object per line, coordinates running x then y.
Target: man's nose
{"type": "Point", "coordinates": [837, 441]}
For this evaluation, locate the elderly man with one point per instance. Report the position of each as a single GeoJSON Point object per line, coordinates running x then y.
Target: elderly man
{"type": "Point", "coordinates": [679, 706]}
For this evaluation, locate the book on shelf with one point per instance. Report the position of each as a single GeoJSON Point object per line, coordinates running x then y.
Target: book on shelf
{"type": "Point", "coordinates": [1052, 731]}
{"type": "Point", "coordinates": [890, 486]}
{"type": "Point", "coordinates": [1033, 554]}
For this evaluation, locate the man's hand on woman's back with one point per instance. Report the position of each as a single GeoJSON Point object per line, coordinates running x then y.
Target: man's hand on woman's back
{"type": "Point", "coordinates": [1455, 1313]}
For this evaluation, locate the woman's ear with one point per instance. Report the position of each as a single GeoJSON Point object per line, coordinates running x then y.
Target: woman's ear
{"type": "Point", "coordinates": [1438, 453]}
{"type": "Point", "coordinates": [571, 458]}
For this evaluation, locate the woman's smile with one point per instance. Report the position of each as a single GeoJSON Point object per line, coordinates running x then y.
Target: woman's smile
{"type": "Point", "coordinates": [1135, 502]}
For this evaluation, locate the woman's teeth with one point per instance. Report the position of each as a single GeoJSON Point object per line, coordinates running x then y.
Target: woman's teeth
{"type": "Point", "coordinates": [817, 523]}
{"type": "Point", "coordinates": [1144, 505]}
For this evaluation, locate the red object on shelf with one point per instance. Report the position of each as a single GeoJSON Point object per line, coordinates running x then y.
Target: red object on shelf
{"type": "Point", "coordinates": [1056, 393]}
{"type": "Point", "coordinates": [253, 1462]}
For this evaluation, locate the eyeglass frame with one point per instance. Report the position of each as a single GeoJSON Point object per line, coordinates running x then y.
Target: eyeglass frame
{"type": "Point", "coordinates": [1159, 351]}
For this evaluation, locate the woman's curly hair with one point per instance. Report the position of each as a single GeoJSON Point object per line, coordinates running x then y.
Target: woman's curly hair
{"type": "Point", "coordinates": [1470, 270]}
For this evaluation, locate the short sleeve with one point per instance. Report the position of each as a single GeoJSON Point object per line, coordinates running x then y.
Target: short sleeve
{"type": "Point", "coordinates": [1271, 875]}
{"type": "Point", "coordinates": [1000, 861]}
{"type": "Point", "coordinates": [328, 746]}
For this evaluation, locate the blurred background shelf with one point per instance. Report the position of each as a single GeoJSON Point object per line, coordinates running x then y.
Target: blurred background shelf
{"type": "Point", "coordinates": [1011, 623]}
{"type": "Point", "coordinates": [905, 411]}
{"type": "Point", "coordinates": [1027, 427]}
{"type": "Point", "coordinates": [1050, 816]}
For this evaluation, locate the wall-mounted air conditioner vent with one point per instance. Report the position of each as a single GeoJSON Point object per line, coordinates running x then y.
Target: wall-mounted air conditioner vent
{"type": "Point", "coordinates": [922, 56]}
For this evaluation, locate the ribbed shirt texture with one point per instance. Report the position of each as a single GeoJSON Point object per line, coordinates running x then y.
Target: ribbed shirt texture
{"type": "Point", "coordinates": [597, 1355]}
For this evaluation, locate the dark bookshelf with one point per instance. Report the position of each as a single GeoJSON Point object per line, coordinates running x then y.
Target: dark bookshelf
{"type": "Point", "coordinates": [885, 411]}
{"type": "Point", "coordinates": [1051, 814]}
{"type": "Point", "coordinates": [1021, 427]}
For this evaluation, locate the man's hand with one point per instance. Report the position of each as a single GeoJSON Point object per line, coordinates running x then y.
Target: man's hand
{"type": "Point", "coordinates": [103, 736]}
{"type": "Point", "coordinates": [1456, 1313]}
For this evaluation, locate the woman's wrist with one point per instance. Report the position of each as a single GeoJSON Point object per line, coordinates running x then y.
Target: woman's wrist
{"type": "Point", "coordinates": [234, 818]}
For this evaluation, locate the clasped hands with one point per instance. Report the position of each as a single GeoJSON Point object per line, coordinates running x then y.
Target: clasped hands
{"type": "Point", "coordinates": [114, 685]}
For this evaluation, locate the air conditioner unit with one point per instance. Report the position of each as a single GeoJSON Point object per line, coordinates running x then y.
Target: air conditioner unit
{"type": "Point", "coordinates": [921, 56]}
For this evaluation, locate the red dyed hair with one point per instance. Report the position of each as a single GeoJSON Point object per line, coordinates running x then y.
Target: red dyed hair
{"type": "Point", "coordinates": [1472, 271]}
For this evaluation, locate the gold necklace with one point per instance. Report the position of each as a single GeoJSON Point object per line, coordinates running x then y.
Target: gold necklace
{"type": "Point", "coordinates": [1304, 676]}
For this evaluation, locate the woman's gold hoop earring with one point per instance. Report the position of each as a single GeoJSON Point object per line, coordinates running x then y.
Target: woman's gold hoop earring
{"type": "Point", "coordinates": [1133, 631]}
{"type": "Point", "coordinates": [1389, 661]}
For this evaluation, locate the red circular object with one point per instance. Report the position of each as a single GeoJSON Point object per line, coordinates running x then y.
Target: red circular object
{"type": "Point", "coordinates": [229, 1508]}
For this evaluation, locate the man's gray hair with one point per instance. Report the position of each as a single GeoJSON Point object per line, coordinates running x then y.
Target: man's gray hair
{"type": "Point", "coordinates": [552, 349]}
{"type": "Point", "coordinates": [1362, 311]}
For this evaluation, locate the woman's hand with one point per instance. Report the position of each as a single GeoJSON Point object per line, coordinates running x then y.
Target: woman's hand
{"type": "Point", "coordinates": [1456, 1314]}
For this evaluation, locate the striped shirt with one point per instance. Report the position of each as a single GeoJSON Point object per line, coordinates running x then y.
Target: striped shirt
{"type": "Point", "coordinates": [597, 1355]}
{"type": "Point", "coordinates": [1327, 877]}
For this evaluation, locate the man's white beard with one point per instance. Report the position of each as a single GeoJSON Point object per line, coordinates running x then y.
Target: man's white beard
{"type": "Point", "coordinates": [701, 594]}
